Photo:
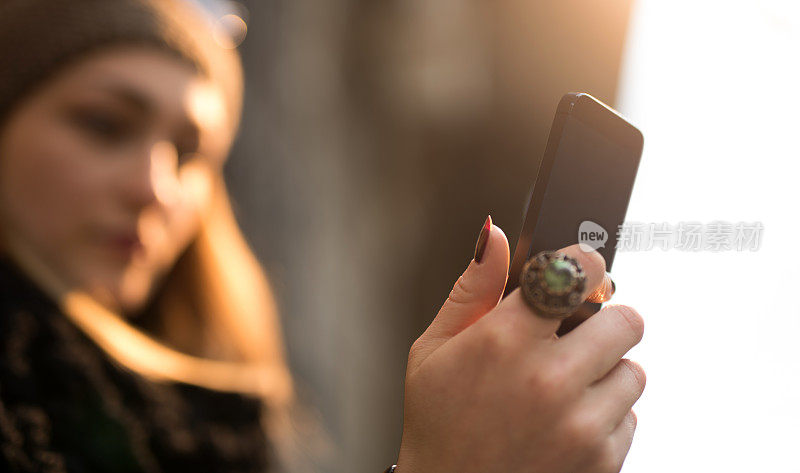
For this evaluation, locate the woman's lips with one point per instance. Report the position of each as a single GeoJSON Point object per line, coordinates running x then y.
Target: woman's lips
{"type": "Point", "coordinates": [125, 243]}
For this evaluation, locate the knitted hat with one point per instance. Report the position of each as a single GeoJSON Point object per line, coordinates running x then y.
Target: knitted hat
{"type": "Point", "coordinates": [38, 37]}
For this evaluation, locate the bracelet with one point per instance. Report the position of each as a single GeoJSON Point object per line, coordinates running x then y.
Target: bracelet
{"type": "Point", "coordinates": [390, 469]}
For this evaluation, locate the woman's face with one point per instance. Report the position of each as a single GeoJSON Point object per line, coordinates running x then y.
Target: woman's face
{"type": "Point", "coordinates": [106, 169]}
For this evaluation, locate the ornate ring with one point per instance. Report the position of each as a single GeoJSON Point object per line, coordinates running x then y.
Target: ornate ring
{"type": "Point", "coordinates": [553, 283]}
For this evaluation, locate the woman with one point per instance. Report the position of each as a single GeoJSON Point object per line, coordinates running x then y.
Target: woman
{"type": "Point", "coordinates": [138, 332]}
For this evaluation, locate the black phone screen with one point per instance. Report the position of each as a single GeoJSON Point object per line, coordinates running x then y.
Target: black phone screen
{"type": "Point", "coordinates": [584, 182]}
{"type": "Point", "coordinates": [590, 181]}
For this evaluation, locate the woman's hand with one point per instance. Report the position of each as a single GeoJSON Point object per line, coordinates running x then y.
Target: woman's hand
{"type": "Point", "coordinates": [491, 388]}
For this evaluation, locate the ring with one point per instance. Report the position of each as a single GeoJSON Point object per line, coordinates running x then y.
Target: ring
{"type": "Point", "coordinates": [604, 291]}
{"type": "Point", "coordinates": [553, 284]}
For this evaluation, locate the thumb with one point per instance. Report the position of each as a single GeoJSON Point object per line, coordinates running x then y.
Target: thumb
{"type": "Point", "coordinates": [475, 293]}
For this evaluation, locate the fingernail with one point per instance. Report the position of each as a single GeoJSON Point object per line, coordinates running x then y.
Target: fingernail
{"type": "Point", "coordinates": [604, 292]}
{"type": "Point", "coordinates": [483, 238]}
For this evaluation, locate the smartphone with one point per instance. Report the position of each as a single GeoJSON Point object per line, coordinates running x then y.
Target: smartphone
{"type": "Point", "coordinates": [586, 175]}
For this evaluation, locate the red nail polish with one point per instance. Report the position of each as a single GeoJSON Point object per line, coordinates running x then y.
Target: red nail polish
{"type": "Point", "coordinates": [483, 238]}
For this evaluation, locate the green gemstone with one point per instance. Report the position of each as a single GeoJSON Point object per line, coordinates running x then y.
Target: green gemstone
{"type": "Point", "coordinates": [558, 275]}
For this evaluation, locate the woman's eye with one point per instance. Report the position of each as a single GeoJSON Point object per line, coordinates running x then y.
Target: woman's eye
{"type": "Point", "coordinates": [104, 125]}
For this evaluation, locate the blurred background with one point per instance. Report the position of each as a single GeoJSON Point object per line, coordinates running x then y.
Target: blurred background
{"type": "Point", "coordinates": [378, 135]}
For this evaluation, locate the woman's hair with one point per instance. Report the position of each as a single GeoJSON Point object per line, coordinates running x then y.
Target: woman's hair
{"type": "Point", "coordinates": [217, 321]}
{"type": "Point", "coordinates": [217, 299]}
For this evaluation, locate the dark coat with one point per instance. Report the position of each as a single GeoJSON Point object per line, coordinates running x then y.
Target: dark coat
{"type": "Point", "coordinates": [65, 406]}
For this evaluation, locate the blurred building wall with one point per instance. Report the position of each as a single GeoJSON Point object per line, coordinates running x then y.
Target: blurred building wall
{"type": "Point", "coordinates": [376, 137]}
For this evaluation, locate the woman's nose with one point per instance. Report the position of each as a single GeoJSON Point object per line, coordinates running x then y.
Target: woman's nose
{"type": "Point", "coordinates": [155, 178]}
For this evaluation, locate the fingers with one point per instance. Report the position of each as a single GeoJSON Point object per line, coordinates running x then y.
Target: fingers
{"type": "Point", "coordinates": [594, 266]}
{"type": "Point", "coordinates": [478, 289]}
{"type": "Point", "coordinates": [608, 405]}
{"type": "Point", "coordinates": [620, 441]}
{"type": "Point", "coordinates": [598, 344]}
{"type": "Point", "coordinates": [616, 393]}
{"type": "Point", "coordinates": [601, 294]}
{"type": "Point", "coordinates": [475, 293]}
